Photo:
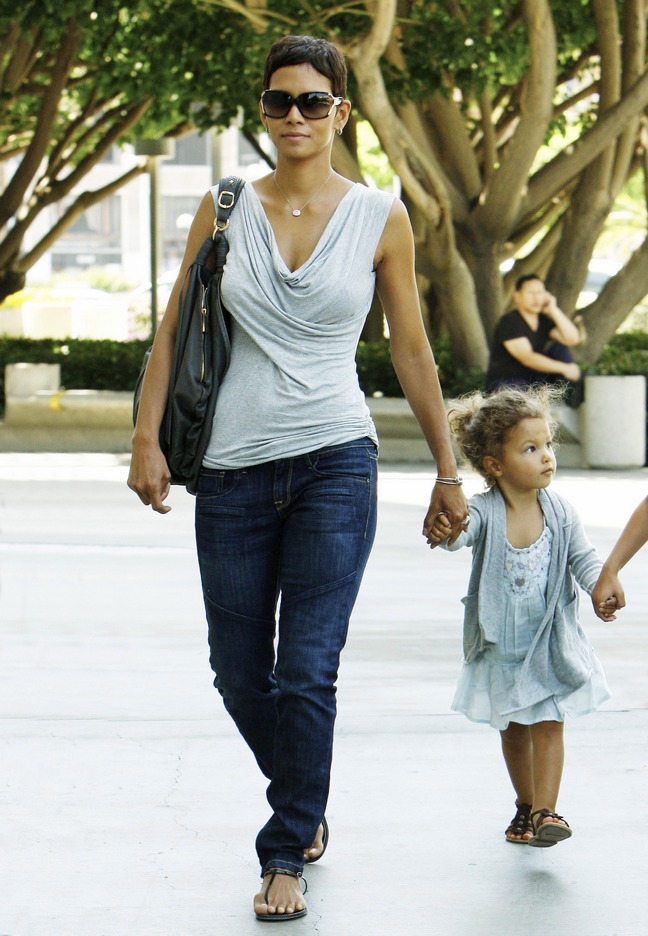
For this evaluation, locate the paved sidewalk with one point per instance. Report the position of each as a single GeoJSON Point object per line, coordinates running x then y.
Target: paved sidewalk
{"type": "Point", "coordinates": [129, 804]}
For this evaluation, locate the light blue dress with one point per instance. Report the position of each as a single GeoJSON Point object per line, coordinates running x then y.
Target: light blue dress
{"type": "Point", "coordinates": [486, 684]}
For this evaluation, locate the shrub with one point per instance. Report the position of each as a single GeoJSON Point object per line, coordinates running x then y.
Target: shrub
{"type": "Point", "coordinates": [625, 354]}
{"type": "Point", "coordinates": [85, 364]}
{"type": "Point", "coordinates": [114, 365]}
{"type": "Point", "coordinates": [377, 377]}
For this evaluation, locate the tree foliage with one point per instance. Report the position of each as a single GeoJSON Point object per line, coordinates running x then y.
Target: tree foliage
{"type": "Point", "coordinates": [464, 98]}
{"type": "Point", "coordinates": [76, 77]}
{"type": "Point", "coordinates": [513, 125]}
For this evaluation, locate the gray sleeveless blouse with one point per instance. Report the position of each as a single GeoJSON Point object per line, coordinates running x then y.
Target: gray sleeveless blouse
{"type": "Point", "coordinates": [292, 385]}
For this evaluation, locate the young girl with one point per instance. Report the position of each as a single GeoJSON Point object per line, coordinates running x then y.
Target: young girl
{"type": "Point", "coordinates": [634, 535]}
{"type": "Point", "coordinates": [527, 662]}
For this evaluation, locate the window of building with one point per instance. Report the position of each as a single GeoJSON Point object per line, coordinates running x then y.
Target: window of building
{"type": "Point", "coordinates": [191, 150]}
{"type": "Point", "coordinates": [94, 238]}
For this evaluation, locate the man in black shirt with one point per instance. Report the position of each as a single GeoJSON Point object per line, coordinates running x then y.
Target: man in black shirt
{"type": "Point", "coordinates": [531, 344]}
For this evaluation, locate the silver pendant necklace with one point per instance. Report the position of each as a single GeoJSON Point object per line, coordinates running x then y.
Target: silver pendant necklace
{"type": "Point", "coordinates": [296, 212]}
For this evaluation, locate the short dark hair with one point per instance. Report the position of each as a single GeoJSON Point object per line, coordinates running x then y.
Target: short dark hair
{"type": "Point", "coordinates": [521, 280]}
{"type": "Point", "coordinates": [323, 56]}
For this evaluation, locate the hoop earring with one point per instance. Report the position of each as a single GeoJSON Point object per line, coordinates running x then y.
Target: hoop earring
{"type": "Point", "coordinates": [340, 131]}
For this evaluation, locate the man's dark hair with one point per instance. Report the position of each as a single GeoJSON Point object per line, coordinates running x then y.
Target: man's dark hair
{"type": "Point", "coordinates": [323, 56]}
{"type": "Point", "coordinates": [521, 280]}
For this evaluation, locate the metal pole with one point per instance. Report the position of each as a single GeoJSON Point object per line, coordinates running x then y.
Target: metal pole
{"type": "Point", "coordinates": [153, 165]}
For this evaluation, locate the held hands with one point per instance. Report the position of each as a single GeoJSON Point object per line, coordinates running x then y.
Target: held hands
{"type": "Point", "coordinates": [441, 530]}
{"type": "Point", "coordinates": [608, 596]}
{"type": "Point", "coordinates": [149, 476]}
{"type": "Point", "coordinates": [605, 610]}
{"type": "Point", "coordinates": [447, 515]}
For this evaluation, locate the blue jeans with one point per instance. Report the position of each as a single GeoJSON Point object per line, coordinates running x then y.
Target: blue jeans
{"type": "Point", "coordinates": [299, 530]}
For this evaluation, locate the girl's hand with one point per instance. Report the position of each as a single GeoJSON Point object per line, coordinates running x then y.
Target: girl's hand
{"type": "Point", "coordinates": [441, 530]}
{"type": "Point", "coordinates": [605, 610]}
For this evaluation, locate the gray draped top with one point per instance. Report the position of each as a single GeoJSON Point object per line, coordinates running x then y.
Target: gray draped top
{"type": "Point", "coordinates": [292, 385]}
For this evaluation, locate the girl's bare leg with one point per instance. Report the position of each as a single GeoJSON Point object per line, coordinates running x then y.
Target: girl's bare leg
{"type": "Point", "coordinates": [517, 748]}
{"type": "Point", "coordinates": [548, 759]}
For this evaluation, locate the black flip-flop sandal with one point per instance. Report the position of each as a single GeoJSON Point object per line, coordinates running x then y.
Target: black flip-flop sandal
{"type": "Point", "coordinates": [281, 917]}
{"type": "Point", "coordinates": [325, 839]}
{"type": "Point", "coordinates": [547, 834]}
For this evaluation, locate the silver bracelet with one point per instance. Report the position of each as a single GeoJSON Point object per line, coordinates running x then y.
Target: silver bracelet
{"type": "Point", "coordinates": [456, 480]}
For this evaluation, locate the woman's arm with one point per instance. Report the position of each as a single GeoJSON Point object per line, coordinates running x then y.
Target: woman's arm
{"type": "Point", "coordinates": [414, 362]}
{"type": "Point", "coordinates": [149, 475]}
{"type": "Point", "coordinates": [633, 536]}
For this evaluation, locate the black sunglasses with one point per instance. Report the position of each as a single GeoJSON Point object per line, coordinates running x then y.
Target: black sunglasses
{"type": "Point", "coordinates": [314, 105]}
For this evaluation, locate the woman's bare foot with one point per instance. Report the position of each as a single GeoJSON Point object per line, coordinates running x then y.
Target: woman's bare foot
{"type": "Point", "coordinates": [317, 848]}
{"type": "Point", "coordinates": [280, 894]}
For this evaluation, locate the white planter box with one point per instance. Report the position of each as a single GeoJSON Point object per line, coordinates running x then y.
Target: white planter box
{"type": "Point", "coordinates": [615, 422]}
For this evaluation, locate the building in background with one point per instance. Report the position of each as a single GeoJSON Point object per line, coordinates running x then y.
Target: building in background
{"type": "Point", "coordinates": [109, 245]}
{"type": "Point", "coordinates": [114, 233]}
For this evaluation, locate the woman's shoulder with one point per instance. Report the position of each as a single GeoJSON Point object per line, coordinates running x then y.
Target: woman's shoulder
{"type": "Point", "coordinates": [371, 191]}
{"type": "Point", "coordinates": [374, 197]}
{"type": "Point", "coordinates": [371, 200]}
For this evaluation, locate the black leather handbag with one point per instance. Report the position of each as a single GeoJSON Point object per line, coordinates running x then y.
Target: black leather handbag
{"type": "Point", "coordinates": [202, 351]}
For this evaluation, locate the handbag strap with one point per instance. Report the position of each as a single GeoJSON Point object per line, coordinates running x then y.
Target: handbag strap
{"type": "Point", "coordinates": [229, 189]}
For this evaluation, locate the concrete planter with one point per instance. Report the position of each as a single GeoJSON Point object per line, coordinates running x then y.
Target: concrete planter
{"type": "Point", "coordinates": [614, 422]}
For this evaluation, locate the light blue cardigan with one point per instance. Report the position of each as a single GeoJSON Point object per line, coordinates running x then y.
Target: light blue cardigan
{"type": "Point", "coordinates": [559, 659]}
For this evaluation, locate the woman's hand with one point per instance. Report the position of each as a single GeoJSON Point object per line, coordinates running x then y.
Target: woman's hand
{"type": "Point", "coordinates": [149, 475]}
{"type": "Point", "coordinates": [447, 515]}
{"type": "Point", "coordinates": [608, 595]}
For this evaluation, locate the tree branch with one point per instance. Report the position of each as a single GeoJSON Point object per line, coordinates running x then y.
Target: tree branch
{"type": "Point", "coordinates": [256, 14]}
{"type": "Point", "coordinates": [131, 115]}
{"type": "Point", "coordinates": [555, 175]}
{"type": "Point", "coordinates": [82, 203]}
{"type": "Point", "coordinates": [499, 202]}
{"type": "Point", "coordinates": [12, 197]}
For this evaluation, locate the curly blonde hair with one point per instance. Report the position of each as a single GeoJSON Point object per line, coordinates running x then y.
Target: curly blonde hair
{"type": "Point", "coordinates": [480, 424]}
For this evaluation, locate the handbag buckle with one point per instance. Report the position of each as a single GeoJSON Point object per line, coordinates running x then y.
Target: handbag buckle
{"type": "Point", "coordinates": [230, 199]}
{"type": "Point", "coordinates": [226, 201]}
{"type": "Point", "coordinates": [219, 228]}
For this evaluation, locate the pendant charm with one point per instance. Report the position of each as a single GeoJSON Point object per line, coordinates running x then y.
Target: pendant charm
{"type": "Point", "coordinates": [296, 212]}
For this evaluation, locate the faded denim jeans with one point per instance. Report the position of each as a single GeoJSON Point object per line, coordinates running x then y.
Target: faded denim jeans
{"type": "Point", "coordinates": [294, 536]}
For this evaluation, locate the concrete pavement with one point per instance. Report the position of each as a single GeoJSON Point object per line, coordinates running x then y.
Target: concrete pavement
{"type": "Point", "coordinates": [129, 804]}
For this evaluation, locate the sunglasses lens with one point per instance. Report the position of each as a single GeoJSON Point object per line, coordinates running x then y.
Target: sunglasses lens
{"type": "Point", "coordinates": [315, 104]}
{"type": "Point", "coordinates": [276, 103]}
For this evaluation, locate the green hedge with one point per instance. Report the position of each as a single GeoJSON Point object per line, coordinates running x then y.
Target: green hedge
{"type": "Point", "coordinates": [114, 365]}
{"type": "Point", "coordinates": [85, 365]}
{"type": "Point", "coordinates": [626, 354]}
{"type": "Point", "coordinates": [377, 376]}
